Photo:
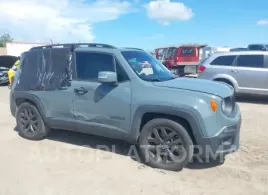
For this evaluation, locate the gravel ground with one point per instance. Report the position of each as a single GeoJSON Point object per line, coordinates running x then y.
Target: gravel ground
{"type": "Point", "coordinates": [63, 164]}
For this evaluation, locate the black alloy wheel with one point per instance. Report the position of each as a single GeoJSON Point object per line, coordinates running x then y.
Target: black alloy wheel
{"type": "Point", "coordinates": [165, 144]}
{"type": "Point", "coordinates": [30, 123]}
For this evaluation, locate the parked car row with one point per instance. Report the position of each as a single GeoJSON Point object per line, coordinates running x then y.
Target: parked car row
{"type": "Point", "coordinates": [6, 63]}
{"type": "Point", "coordinates": [253, 47]}
{"type": "Point", "coordinates": [180, 60]}
{"type": "Point", "coordinates": [184, 60]}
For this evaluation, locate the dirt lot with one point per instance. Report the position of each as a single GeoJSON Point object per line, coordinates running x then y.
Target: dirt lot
{"type": "Point", "coordinates": [62, 164]}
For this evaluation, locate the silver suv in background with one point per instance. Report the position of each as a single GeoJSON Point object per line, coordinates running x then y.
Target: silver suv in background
{"type": "Point", "coordinates": [258, 47]}
{"type": "Point", "coordinates": [246, 71]}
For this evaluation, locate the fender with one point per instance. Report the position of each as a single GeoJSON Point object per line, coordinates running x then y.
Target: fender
{"type": "Point", "coordinates": [31, 97]}
{"type": "Point", "coordinates": [183, 113]}
{"type": "Point", "coordinates": [227, 77]}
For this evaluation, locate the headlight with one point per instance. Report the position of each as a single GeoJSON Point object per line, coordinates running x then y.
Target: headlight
{"type": "Point", "coordinates": [227, 105]}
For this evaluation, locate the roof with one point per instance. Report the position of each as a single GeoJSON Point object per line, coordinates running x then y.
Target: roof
{"type": "Point", "coordinates": [84, 46]}
{"type": "Point", "coordinates": [74, 45]}
{"type": "Point", "coordinates": [183, 45]}
{"type": "Point", "coordinates": [241, 53]}
{"type": "Point", "coordinates": [193, 45]}
{"type": "Point", "coordinates": [259, 44]}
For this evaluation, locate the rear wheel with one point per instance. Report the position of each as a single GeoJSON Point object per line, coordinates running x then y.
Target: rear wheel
{"type": "Point", "coordinates": [165, 144]}
{"type": "Point", "coordinates": [30, 124]}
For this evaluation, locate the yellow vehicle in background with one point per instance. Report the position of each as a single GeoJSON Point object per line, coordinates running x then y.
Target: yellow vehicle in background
{"type": "Point", "coordinates": [12, 71]}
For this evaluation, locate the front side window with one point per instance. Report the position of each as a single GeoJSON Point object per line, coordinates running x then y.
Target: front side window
{"type": "Point", "coordinates": [121, 74]}
{"type": "Point", "coordinates": [88, 65]}
{"type": "Point", "coordinates": [223, 60]}
{"type": "Point", "coordinates": [253, 61]}
{"type": "Point", "coordinates": [171, 52]}
{"type": "Point", "coordinates": [146, 66]}
{"type": "Point", "coordinates": [161, 54]}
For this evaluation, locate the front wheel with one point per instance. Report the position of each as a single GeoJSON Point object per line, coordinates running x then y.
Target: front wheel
{"type": "Point", "coordinates": [165, 144]}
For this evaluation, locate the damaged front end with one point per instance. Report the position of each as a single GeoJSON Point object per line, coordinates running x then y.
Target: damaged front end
{"type": "Point", "coordinates": [6, 63]}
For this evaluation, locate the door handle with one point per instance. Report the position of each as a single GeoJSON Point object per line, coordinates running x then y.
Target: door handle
{"type": "Point", "coordinates": [80, 90]}
{"type": "Point", "coordinates": [235, 71]}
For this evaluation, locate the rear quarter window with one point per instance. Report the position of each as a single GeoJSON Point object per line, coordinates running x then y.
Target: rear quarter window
{"type": "Point", "coordinates": [252, 61]}
{"type": "Point", "coordinates": [224, 60]}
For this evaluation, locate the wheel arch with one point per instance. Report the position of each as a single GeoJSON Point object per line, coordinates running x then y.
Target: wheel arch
{"type": "Point", "coordinates": [21, 97]}
{"type": "Point", "coordinates": [227, 79]}
{"type": "Point", "coordinates": [146, 113]}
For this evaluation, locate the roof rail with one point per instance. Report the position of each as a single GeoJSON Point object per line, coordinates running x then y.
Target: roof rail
{"type": "Point", "coordinates": [73, 46]}
{"type": "Point", "coordinates": [133, 48]}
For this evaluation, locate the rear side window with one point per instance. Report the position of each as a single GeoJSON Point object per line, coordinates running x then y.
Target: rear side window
{"type": "Point", "coordinates": [223, 60]}
{"type": "Point", "coordinates": [253, 61]}
{"type": "Point", "coordinates": [187, 51]}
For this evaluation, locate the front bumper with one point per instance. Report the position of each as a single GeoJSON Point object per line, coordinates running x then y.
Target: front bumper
{"type": "Point", "coordinates": [225, 142]}
{"type": "Point", "coordinates": [3, 79]}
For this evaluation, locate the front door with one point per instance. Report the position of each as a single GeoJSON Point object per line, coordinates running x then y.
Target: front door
{"type": "Point", "coordinates": [250, 74]}
{"type": "Point", "coordinates": [101, 109]}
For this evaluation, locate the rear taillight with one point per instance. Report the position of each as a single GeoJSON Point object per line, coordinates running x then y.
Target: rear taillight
{"type": "Point", "coordinates": [201, 68]}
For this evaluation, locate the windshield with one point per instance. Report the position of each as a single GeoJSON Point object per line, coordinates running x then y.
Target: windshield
{"type": "Point", "coordinates": [146, 66]}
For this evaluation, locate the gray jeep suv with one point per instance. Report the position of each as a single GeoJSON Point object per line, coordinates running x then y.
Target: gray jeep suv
{"type": "Point", "coordinates": [127, 94]}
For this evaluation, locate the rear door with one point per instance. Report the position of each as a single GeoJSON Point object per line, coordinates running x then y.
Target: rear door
{"type": "Point", "coordinates": [170, 60]}
{"type": "Point", "coordinates": [251, 74]}
{"type": "Point", "coordinates": [221, 65]}
{"type": "Point", "coordinates": [187, 56]}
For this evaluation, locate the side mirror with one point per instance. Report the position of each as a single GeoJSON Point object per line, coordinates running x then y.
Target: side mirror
{"type": "Point", "coordinates": [107, 77]}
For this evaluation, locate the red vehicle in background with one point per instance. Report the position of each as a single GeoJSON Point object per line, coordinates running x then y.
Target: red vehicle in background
{"type": "Point", "coordinates": [181, 60]}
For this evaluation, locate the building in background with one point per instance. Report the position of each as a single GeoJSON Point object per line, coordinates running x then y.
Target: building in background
{"type": "Point", "coordinates": [16, 48]}
{"type": "Point", "coordinates": [3, 51]}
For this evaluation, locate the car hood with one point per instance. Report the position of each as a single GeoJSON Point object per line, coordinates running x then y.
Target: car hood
{"type": "Point", "coordinates": [199, 85]}
{"type": "Point", "coordinates": [7, 61]}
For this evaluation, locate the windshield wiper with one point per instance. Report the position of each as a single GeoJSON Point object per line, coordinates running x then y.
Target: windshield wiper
{"type": "Point", "coordinates": [155, 79]}
{"type": "Point", "coordinates": [171, 78]}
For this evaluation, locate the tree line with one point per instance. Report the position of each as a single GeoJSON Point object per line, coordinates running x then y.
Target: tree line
{"type": "Point", "coordinates": [4, 39]}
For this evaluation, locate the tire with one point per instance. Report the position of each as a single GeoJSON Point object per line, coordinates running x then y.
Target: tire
{"type": "Point", "coordinates": [178, 141]}
{"type": "Point", "coordinates": [30, 124]}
